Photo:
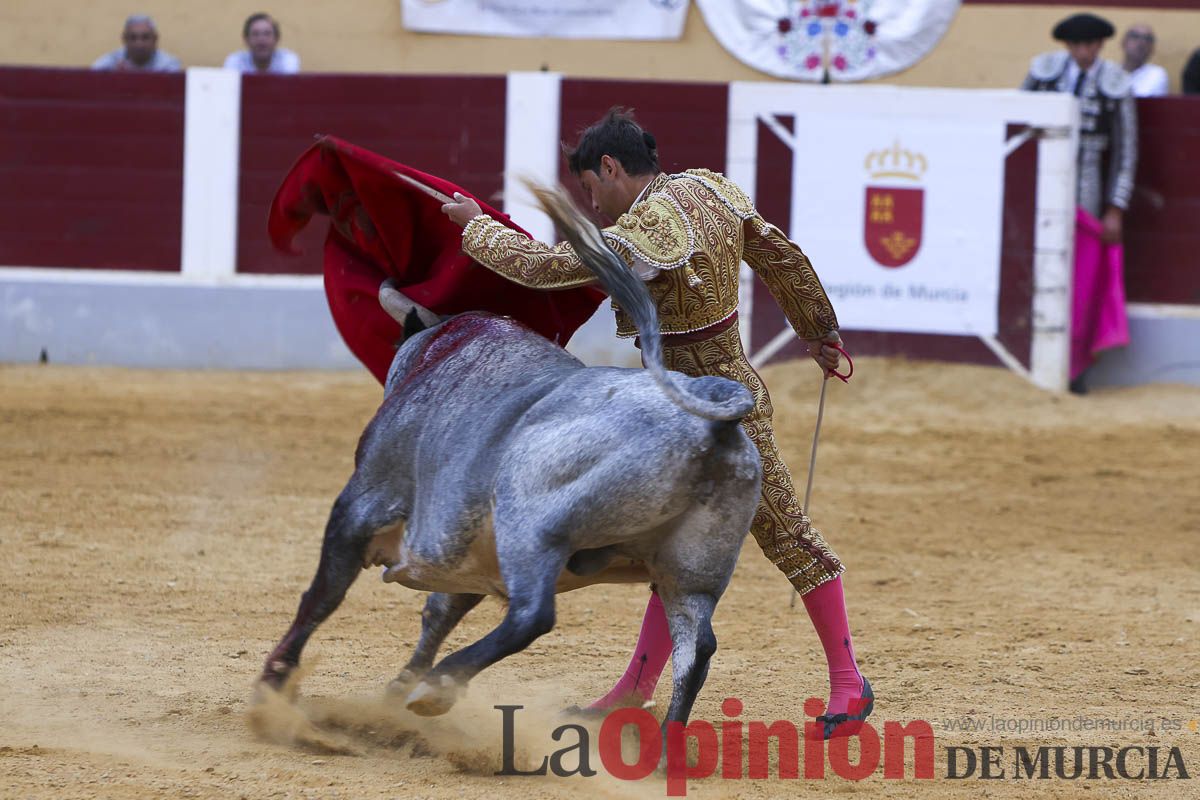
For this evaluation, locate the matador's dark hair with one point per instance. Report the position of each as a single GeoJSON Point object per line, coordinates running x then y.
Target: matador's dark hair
{"type": "Point", "coordinates": [617, 135]}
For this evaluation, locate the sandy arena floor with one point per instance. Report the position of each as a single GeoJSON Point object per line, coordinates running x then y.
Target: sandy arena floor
{"type": "Point", "coordinates": [1011, 555]}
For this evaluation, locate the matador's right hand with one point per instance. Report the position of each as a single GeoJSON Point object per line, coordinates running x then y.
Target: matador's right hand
{"type": "Point", "coordinates": [826, 356]}
{"type": "Point", "coordinates": [462, 210]}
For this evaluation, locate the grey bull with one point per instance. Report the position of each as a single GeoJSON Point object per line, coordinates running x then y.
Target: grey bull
{"type": "Point", "coordinates": [499, 464]}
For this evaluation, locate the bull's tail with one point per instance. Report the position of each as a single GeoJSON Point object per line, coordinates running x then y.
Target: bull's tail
{"type": "Point", "coordinates": [729, 401]}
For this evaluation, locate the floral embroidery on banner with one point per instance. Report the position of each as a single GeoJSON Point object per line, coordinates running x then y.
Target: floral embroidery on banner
{"type": "Point", "coordinates": [826, 35]}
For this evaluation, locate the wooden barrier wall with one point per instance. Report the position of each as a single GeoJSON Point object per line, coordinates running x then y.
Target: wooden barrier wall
{"type": "Point", "coordinates": [1162, 230]}
{"type": "Point", "coordinates": [91, 166]}
{"type": "Point", "coordinates": [92, 163]}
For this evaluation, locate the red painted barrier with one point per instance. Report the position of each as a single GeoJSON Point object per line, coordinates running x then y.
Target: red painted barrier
{"type": "Point", "coordinates": [92, 169]}
{"type": "Point", "coordinates": [92, 165]}
{"type": "Point", "coordinates": [1162, 229]}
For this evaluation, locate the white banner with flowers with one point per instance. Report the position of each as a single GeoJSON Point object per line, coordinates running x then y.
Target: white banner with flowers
{"type": "Point", "coordinates": [846, 40]}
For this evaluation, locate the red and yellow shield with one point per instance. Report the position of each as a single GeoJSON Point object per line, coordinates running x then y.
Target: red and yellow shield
{"type": "Point", "coordinates": [892, 224]}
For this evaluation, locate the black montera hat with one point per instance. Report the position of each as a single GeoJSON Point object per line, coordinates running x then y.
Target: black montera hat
{"type": "Point", "coordinates": [1083, 28]}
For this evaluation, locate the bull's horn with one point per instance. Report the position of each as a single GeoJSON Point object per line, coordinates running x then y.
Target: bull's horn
{"type": "Point", "coordinates": [398, 305]}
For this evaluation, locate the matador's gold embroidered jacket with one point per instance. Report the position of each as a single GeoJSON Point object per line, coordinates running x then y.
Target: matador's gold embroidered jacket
{"type": "Point", "coordinates": [686, 237]}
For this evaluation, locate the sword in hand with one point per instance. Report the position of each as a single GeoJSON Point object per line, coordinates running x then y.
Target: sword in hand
{"type": "Point", "coordinates": [441, 197]}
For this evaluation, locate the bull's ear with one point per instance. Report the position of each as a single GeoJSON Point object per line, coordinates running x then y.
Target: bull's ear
{"type": "Point", "coordinates": [413, 324]}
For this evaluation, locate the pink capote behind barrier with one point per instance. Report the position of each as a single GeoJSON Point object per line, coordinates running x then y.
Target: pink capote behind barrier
{"type": "Point", "coordinates": [1098, 320]}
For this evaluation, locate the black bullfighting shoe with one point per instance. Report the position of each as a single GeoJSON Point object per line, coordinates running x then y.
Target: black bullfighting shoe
{"type": "Point", "coordinates": [839, 725]}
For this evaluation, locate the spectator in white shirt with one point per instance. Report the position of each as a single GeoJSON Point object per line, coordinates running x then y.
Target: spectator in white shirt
{"type": "Point", "coordinates": [140, 52]}
{"type": "Point", "coordinates": [1149, 80]}
{"type": "Point", "coordinates": [263, 53]}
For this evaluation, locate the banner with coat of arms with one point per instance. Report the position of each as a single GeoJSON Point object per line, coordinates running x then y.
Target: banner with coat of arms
{"type": "Point", "coordinates": [558, 19]}
{"type": "Point", "coordinates": [925, 199]}
{"type": "Point", "coordinates": [844, 40]}
{"type": "Point", "coordinates": [893, 216]}
{"type": "Point", "coordinates": [897, 195]}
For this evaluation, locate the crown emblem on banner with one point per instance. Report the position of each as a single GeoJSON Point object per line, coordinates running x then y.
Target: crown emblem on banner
{"type": "Point", "coordinates": [896, 162]}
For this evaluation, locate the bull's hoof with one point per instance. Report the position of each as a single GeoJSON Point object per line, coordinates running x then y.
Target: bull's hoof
{"type": "Point", "coordinates": [403, 684]}
{"type": "Point", "coordinates": [428, 700]}
{"type": "Point", "coordinates": [275, 673]}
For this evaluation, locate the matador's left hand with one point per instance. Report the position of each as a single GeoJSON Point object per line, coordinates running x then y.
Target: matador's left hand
{"type": "Point", "coordinates": [462, 210]}
{"type": "Point", "coordinates": [1112, 225]}
{"type": "Point", "coordinates": [827, 357]}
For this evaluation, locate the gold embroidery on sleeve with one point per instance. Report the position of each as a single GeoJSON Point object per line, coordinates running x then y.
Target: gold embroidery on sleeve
{"type": "Point", "coordinates": [521, 259]}
{"type": "Point", "coordinates": [791, 279]}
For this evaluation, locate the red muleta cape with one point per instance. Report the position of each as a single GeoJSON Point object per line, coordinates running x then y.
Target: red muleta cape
{"type": "Point", "coordinates": [382, 227]}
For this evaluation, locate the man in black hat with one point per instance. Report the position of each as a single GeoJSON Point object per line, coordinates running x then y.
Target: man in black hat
{"type": "Point", "coordinates": [1108, 133]}
{"type": "Point", "coordinates": [1108, 123]}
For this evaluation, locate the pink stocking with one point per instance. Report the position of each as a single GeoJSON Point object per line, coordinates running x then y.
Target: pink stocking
{"type": "Point", "coordinates": [827, 609]}
{"type": "Point", "coordinates": [649, 657]}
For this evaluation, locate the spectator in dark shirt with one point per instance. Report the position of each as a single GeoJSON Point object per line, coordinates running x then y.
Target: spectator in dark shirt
{"type": "Point", "coordinates": [1191, 74]}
